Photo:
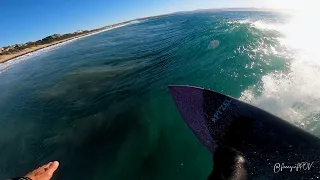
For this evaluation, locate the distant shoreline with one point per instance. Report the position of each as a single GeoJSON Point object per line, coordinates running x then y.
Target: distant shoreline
{"type": "Point", "coordinates": [8, 57]}
{"type": "Point", "coordinates": [5, 58]}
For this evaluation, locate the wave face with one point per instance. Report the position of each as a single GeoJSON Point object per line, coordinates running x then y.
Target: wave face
{"type": "Point", "coordinates": [100, 104]}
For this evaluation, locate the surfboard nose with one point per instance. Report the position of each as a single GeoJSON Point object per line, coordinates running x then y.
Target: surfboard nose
{"type": "Point", "coordinates": [189, 101]}
{"type": "Point", "coordinates": [176, 89]}
{"type": "Point", "coordinates": [189, 92]}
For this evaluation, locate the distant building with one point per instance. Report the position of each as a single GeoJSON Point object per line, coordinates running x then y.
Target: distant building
{"type": "Point", "coordinates": [8, 48]}
{"type": "Point", "coordinates": [55, 36]}
{"type": "Point", "coordinates": [19, 45]}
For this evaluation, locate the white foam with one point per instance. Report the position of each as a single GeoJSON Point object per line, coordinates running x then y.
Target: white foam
{"type": "Point", "coordinates": [135, 22]}
{"type": "Point", "coordinates": [267, 26]}
{"type": "Point", "coordinates": [293, 95]}
{"type": "Point", "coordinates": [261, 24]}
{"type": "Point", "coordinates": [245, 21]}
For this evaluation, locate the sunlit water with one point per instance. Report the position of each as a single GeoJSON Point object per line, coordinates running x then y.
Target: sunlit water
{"type": "Point", "coordinates": [100, 104]}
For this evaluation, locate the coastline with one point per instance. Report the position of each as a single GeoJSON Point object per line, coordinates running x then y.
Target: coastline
{"type": "Point", "coordinates": [5, 58]}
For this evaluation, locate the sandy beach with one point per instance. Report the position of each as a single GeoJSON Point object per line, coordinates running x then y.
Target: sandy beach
{"type": "Point", "coordinates": [5, 58]}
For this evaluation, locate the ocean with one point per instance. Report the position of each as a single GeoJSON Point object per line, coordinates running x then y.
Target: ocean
{"type": "Point", "coordinates": [100, 104]}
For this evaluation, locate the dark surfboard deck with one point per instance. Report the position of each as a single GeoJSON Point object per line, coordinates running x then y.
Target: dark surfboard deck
{"type": "Point", "coordinates": [264, 139]}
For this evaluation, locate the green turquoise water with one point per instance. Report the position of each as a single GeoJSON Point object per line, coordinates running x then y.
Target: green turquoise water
{"type": "Point", "coordinates": [100, 104]}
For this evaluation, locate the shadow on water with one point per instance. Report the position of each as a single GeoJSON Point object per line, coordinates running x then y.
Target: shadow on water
{"type": "Point", "coordinates": [81, 121]}
{"type": "Point", "coordinates": [94, 142]}
{"type": "Point", "coordinates": [101, 126]}
{"type": "Point", "coordinates": [87, 144]}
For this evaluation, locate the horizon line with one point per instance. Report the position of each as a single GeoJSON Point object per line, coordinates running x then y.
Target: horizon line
{"type": "Point", "coordinates": [171, 13]}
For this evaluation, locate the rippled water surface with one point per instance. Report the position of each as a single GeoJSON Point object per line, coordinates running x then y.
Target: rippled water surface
{"type": "Point", "coordinates": [100, 104]}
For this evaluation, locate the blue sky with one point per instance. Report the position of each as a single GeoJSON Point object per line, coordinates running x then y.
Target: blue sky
{"type": "Point", "coordinates": [26, 20]}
